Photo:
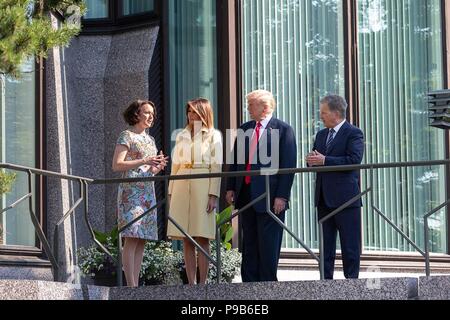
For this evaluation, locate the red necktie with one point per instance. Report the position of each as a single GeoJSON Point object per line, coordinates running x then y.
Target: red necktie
{"type": "Point", "coordinates": [253, 148]}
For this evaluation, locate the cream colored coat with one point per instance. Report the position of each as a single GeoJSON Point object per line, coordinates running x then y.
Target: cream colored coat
{"type": "Point", "coordinates": [189, 198]}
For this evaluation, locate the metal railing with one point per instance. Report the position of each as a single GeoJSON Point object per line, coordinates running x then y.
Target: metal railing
{"type": "Point", "coordinates": [265, 195]}
{"type": "Point", "coordinates": [51, 255]}
{"type": "Point", "coordinates": [84, 182]}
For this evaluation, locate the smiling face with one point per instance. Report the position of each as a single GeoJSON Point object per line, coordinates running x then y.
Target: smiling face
{"type": "Point", "coordinates": [146, 116]}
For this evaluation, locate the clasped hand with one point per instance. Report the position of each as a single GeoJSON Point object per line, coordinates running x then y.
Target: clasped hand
{"type": "Point", "coordinates": [315, 158]}
{"type": "Point", "coordinates": [159, 162]}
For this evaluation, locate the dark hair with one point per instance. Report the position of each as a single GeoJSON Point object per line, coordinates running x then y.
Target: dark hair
{"type": "Point", "coordinates": [131, 113]}
{"type": "Point", "coordinates": [336, 103]}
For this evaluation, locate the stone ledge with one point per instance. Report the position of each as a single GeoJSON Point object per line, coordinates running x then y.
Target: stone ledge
{"type": "Point", "coordinates": [39, 290]}
{"type": "Point", "coordinates": [434, 288]}
{"type": "Point", "coordinates": [183, 292]}
{"type": "Point", "coordinates": [355, 289]}
{"type": "Point", "coordinates": [350, 289]}
{"type": "Point", "coordinates": [26, 273]}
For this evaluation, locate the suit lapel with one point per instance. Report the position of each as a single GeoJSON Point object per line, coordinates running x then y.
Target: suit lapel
{"type": "Point", "coordinates": [248, 138]}
{"type": "Point", "coordinates": [338, 137]}
{"type": "Point", "coordinates": [322, 140]}
{"type": "Point", "coordinates": [265, 137]}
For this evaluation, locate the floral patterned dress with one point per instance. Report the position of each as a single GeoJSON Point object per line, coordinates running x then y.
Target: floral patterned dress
{"type": "Point", "coordinates": [134, 199]}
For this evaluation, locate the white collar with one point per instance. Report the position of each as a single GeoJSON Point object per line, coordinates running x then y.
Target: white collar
{"type": "Point", "coordinates": [266, 120]}
{"type": "Point", "coordinates": [339, 126]}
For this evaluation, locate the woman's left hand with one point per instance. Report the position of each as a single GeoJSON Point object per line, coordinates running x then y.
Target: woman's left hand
{"type": "Point", "coordinates": [212, 204]}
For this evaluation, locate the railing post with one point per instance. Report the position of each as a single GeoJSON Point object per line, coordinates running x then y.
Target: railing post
{"type": "Point", "coordinates": [322, 255]}
{"type": "Point", "coordinates": [166, 207]}
{"type": "Point", "coordinates": [119, 260]}
{"type": "Point", "coordinates": [427, 249]}
{"type": "Point", "coordinates": [39, 231]}
{"type": "Point", "coordinates": [56, 252]}
{"type": "Point", "coordinates": [218, 255]}
{"type": "Point", "coordinates": [267, 182]}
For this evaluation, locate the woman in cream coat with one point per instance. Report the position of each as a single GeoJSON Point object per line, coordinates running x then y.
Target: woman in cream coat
{"type": "Point", "coordinates": [198, 149]}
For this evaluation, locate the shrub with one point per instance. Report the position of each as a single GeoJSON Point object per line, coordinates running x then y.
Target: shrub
{"type": "Point", "coordinates": [6, 181]}
{"type": "Point", "coordinates": [159, 266]}
{"type": "Point", "coordinates": [230, 267]}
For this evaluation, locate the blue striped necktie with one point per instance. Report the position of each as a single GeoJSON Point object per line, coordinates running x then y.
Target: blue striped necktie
{"type": "Point", "coordinates": [330, 138]}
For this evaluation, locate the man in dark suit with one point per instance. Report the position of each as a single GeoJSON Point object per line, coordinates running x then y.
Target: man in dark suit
{"type": "Point", "coordinates": [267, 143]}
{"type": "Point", "coordinates": [339, 144]}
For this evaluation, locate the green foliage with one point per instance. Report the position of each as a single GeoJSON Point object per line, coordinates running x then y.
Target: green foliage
{"type": "Point", "coordinates": [105, 238]}
{"type": "Point", "coordinates": [159, 266]}
{"type": "Point", "coordinates": [226, 230]}
{"type": "Point", "coordinates": [26, 30]}
{"type": "Point", "coordinates": [231, 263]}
{"type": "Point", "coordinates": [161, 263]}
{"type": "Point", "coordinates": [92, 260]}
{"type": "Point", "coordinates": [6, 181]}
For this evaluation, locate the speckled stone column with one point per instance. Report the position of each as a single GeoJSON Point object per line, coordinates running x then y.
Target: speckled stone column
{"type": "Point", "coordinates": [88, 85]}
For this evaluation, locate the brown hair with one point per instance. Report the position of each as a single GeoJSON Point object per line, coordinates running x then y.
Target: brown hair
{"type": "Point", "coordinates": [132, 112]}
{"type": "Point", "coordinates": [203, 108]}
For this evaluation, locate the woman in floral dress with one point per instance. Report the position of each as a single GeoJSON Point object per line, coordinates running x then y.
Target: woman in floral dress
{"type": "Point", "coordinates": [136, 156]}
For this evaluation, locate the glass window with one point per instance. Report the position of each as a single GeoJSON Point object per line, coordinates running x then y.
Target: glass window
{"type": "Point", "coordinates": [295, 49]}
{"type": "Point", "coordinates": [400, 61]}
{"type": "Point", "coordinates": [17, 133]}
{"type": "Point", "coordinates": [97, 9]}
{"type": "Point", "coordinates": [193, 56]}
{"type": "Point", "coordinates": [130, 7]}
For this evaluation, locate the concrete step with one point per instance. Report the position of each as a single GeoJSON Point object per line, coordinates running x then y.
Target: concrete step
{"type": "Point", "coordinates": [355, 289]}
{"type": "Point", "coordinates": [434, 288]}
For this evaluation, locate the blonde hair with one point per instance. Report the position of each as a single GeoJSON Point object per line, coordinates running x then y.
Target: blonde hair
{"type": "Point", "coordinates": [263, 96]}
{"type": "Point", "coordinates": [202, 107]}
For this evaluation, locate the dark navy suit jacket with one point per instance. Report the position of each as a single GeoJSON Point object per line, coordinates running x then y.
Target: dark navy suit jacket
{"type": "Point", "coordinates": [347, 148]}
{"type": "Point", "coordinates": [280, 185]}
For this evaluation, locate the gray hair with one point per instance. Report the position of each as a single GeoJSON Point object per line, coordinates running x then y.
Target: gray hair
{"type": "Point", "coordinates": [336, 103]}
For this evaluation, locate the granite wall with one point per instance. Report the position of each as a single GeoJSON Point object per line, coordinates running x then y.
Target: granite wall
{"type": "Point", "coordinates": [89, 84]}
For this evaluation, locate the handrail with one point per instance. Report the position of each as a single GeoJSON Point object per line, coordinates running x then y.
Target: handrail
{"type": "Point", "coordinates": [268, 172]}
{"type": "Point", "coordinates": [51, 254]}
{"type": "Point", "coordinates": [13, 205]}
{"type": "Point", "coordinates": [427, 235]}
{"type": "Point", "coordinates": [62, 220]}
{"type": "Point", "coordinates": [327, 217]}
{"type": "Point", "coordinates": [272, 172]}
{"type": "Point", "coordinates": [44, 173]}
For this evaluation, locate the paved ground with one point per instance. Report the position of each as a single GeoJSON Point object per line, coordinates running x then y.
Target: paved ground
{"type": "Point", "coordinates": [299, 275]}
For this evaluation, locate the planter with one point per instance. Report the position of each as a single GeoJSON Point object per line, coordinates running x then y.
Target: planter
{"type": "Point", "coordinates": [103, 279]}
{"type": "Point", "coordinates": [150, 282]}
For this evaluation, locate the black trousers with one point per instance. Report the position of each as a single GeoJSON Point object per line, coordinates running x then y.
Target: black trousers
{"type": "Point", "coordinates": [261, 245]}
{"type": "Point", "coordinates": [348, 223]}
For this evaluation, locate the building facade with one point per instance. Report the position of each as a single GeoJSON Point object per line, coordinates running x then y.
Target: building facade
{"type": "Point", "coordinates": [383, 56]}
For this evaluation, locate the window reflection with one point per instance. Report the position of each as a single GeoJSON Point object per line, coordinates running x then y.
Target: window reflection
{"type": "Point", "coordinates": [137, 6]}
{"type": "Point", "coordinates": [97, 9]}
{"type": "Point", "coordinates": [17, 136]}
{"type": "Point", "coordinates": [296, 50]}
